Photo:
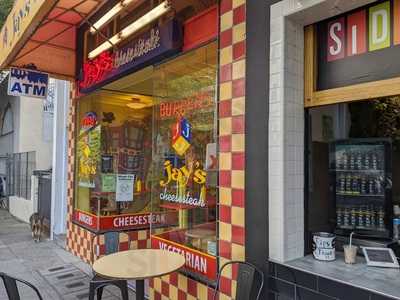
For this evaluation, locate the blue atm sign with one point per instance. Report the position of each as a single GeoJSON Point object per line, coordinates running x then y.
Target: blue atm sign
{"type": "Point", "coordinates": [29, 83]}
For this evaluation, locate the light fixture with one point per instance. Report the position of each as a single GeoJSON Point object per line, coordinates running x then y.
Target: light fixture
{"type": "Point", "coordinates": [136, 104]}
{"type": "Point", "coordinates": [144, 20]}
{"type": "Point", "coordinates": [110, 15]}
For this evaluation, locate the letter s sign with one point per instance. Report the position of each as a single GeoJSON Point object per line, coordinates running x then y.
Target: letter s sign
{"type": "Point", "coordinates": [336, 39]}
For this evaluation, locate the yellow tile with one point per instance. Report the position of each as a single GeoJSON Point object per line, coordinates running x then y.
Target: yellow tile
{"type": "Point", "coordinates": [238, 216]}
{"type": "Point", "coordinates": [238, 179]}
{"type": "Point", "coordinates": [165, 278]}
{"type": "Point", "coordinates": [182, 282]}
{"type": "Point", "coordinates": [238, 252]}
{"type": "Point", "coordinates": [142, 235]}
{"type": "Point", "coordinates": [234, 285]}
{"type": "Point", "coordinates": [225, 126]}
{"type": "Point", "coordinates": [226, 21]}
{"type": "Point", "coordinates": [151, 292]}
{"type": "Point", "coordinates": [238, 106]}
{"type": "Point", "coordinates": [190, 297]}
{"type": "Point", "coordinates": [239, 69]}
{"type": "Point", "coordinates": [157, 284]}
{"type": "Point", "coordinates": [238, 142]}
{"type": "Point", "coordinates": [164, 297]}
{"type": "Point", "coordinates": [225, 55]}
{"type": "Point", "coordinates": [237, 3]}
{"type": "Point", "coordinates": [225, 91]}
{"type": "Point", "coordinates": [225, 196]}
{"type": "Point", "coordinates": [173, 292]}
{"type": "Point", "coordinates": [224, 297]}
{"type": "Point", "coordinates": [239, 33]}
{"type": "Point", "coordinates": [202, 291]}
{"type": "Point", "coordinates": [225, 231]}
{"type": "Point", "coordinates": [225, 161]}
{"type": "Point", "coordinates": [227, 272]}
{"type": "Point", "coordinates": [123, 237]}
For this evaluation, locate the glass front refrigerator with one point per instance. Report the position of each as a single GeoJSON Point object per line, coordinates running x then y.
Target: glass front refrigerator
{"type": "Point", "coordinates": [361, 186]}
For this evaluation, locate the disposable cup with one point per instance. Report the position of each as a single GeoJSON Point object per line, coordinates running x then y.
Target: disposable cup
{"type": "Point", "coordinates": [350, 253]}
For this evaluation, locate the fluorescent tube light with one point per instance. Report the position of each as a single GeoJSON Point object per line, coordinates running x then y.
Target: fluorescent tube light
{"type": "Point", "coordinates": [110, 15]}
{"type": "Point", "coordinates": [152, 15]}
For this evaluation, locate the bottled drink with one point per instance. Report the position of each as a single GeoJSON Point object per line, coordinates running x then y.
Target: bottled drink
{"type": "Point", "coordinates": [339, 217]}
{"type": "Point", "coordinates": [359, 161]}
{"type": "Point", "coordinates": [367, 161]}
{"type": "Point", "coordinates": [368, 218]}
{"type": "Point", "coordinates": [346, 217]}
{"type": "Point", "coordinates": [352, 161]}
{"type": "Point", "coordinates": [381, 218]}
{"type": "Point", "coordinates": [355, 185]}
{"type": "Point", "coordinates": [348, 184]}
{"type": "Point", "coordinates": [371, 189]}
{"type": "Point", "coordinates": [373, 216]}
{"type": "Point", "coordinates": [353, 217]}
{"type": "Point", "coordinates": [374, 160]}
{"type": "Point", "coordinates": [345, 161]}
{"type": "Point", "coordinates": [360, 215]}
{"type": "Point", "coordinates": [378, 186]}
{"type": "Point", "coordinates": [363, 185]}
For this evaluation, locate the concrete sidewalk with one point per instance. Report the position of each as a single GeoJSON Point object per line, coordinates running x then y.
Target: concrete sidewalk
{"type": "Point", "coordinates": [54, 271]}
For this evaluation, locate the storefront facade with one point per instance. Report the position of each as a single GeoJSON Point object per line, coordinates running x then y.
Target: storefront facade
{"type": "Point", "coordinates": [222, 99]}
{"type": "Point", "coordinates": [329, 88]}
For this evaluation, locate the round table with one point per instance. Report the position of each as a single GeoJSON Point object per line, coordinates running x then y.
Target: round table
{"type": "Point", "coordinates": [138, 265]}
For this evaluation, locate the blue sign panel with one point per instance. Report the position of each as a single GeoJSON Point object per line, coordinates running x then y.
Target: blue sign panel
{"type": "Point", "coordinates": [29, 83]}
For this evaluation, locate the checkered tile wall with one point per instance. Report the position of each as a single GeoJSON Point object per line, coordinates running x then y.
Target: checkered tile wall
{"type": "Point", "coordinates": [231, 161]}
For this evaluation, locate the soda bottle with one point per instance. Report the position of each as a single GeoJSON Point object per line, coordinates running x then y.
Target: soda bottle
{"type": "Point", "coordinates": [345, 160]}
{"type": "Point", "coordinates": [348, 184]}
{"type": "Point", "coordinates": [352, 160]}
{"type": "Point", "coordinates": [361, 217]}
{"type": "Point", "coordinates": [346, 217]}
{"type": "Point", "coordinates": [371, 188]}
{"type": "Point", "coordinates": [367, 161]}
{"type": "Point", "coordinates": [339, 217]}
{"type": "Point", "coordinates": [355, 185]}
{"type": "Point", "coordinates": [378, 186]}
{"type": "Point", "coordinates": [368, 218]}
{"type": "Point", "coordinates": [359, 161]}
{"type": "Point", "coordinates": [374, 159]}
{"type": "Point", "coordinates": [363, 185]}
{"type": "Point", "coordinates": [381, 218]}
{"type": "Point", "coordinates": [373, 216]}
{"type": "Point", "coordinates": [353, 218]}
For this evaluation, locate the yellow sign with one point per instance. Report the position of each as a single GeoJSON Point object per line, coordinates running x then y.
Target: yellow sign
{"type": "Point", "coordinates": [20, 23]}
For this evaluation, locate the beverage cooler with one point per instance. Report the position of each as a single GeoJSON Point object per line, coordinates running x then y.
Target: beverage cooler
{"type": "Point", "coordinates": [361, 186]}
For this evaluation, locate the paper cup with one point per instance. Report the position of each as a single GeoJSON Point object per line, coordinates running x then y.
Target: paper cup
{"type": "Point", "coordinates": [350, 253]}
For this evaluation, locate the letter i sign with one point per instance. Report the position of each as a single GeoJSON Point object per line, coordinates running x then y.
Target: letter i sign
{"type": "Point", "coordinates": [181, 136]}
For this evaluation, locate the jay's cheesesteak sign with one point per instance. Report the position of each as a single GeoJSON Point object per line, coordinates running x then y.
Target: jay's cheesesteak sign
{"type": "Point", "coordinates": [145, 50]}
{"type": "Point", "coordinates": [360, 46]}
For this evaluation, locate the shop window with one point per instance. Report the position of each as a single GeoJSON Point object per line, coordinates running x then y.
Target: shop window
{"type": "Point", "coordinates": [184, 158]}
{"type": "Point", "coordinates": [353, 169]}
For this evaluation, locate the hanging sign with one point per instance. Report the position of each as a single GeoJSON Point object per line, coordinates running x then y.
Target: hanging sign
{"type": "Point", "coordinates": [124, 189]}
{"type": "Point", "coordinates": [147, 49]}
{"type": "Point", "coordinates": [360, 46]}
{"type": "Point", "coordinates": [181, 136]}
{"type": "Point", "coordinates": [29, 83]}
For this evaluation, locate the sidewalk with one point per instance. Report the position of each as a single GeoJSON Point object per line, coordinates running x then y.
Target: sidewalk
{"type": "Point", "coordinates": [54, 271]}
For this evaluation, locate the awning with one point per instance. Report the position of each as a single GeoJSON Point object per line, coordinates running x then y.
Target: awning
{"type": "Point", "coordinates": [43, 33]}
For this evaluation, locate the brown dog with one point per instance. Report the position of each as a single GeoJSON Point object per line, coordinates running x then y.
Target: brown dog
{"type": "Point", "coordinates": [36, 222]}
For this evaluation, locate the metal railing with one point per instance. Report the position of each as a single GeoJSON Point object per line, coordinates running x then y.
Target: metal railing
{"type": "Point", "coordinates": [20, 170]}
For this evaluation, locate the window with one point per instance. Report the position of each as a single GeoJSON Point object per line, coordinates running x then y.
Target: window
{"type": "Point", "coordinates": [21, 170]}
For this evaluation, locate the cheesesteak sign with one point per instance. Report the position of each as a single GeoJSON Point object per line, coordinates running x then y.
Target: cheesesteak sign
{"type": "Point", "coordinates": [149, 48]}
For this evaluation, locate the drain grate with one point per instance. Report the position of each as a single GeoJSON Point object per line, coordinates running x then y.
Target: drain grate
{"type": "Point", "coordinates": [56, 269]}
{"type": "Point", "coordinates": [74, 285]}
{"type": "Point", "coordinates": [65, 276]}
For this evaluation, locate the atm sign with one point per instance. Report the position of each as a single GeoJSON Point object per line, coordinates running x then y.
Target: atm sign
{"type": "Point", "coordinates": [365, 30]}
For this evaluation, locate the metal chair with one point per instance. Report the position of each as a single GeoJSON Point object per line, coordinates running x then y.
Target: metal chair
{"type": "Point", "coordinates": [10, 283]}
{"type": "Point", "coordinates": [245, 280]}
{"type": "Point", "coordinates": [98, 283]}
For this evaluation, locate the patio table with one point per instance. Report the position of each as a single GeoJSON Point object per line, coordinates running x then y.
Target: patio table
{"type": "Point", "coordinates": [138, 265]}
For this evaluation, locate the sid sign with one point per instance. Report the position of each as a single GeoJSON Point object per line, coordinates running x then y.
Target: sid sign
{"type": "Point", "coordinates": [30, 83]}
{"type": "Point", "coordinates": [360, 46]}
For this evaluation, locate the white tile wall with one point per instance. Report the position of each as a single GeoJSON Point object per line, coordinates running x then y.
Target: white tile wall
{"type": "Point", "coordinates": [286, 119]}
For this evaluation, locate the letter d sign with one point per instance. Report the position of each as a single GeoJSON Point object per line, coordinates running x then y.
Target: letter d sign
{"type": "Point", "coordinates": [379, 26]}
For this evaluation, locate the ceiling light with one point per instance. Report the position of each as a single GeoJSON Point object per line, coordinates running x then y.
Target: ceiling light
{"type": "Point", "coordinates": [152, 15]}
{"type": "Point", "coordinates": [110, 15]}
{"type": "Point", "coordinates": [136, 104]}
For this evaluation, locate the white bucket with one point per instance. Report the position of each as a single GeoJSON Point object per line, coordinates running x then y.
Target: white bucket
{"type": "Point", "coordinates": [324, 246]}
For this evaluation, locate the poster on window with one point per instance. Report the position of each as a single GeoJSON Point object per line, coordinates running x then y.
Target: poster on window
{"type": "Point", "coordinates": [89, 148]}
{"type": "Point", "coordinates": [108, 183]}
{"type": "Point", "coordinates": [124, 189]}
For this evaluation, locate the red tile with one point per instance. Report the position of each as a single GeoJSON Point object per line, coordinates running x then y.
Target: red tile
{"type": "Point", "coordinates": [226, 5]}
{"type": "Point", "coordinates": [238, 125]}
{"type": "Point", "coordinates": [238, 235]}
{"type": "Point", "coordinates": [225, 143]}
{"type": "Point", "coordinates": [238, 161]}
{"type": "Point", "coordinates": [238, 198]}
{"type": "Point", "coordinates": [192, 288]}
{"type": "Point", "coordinates": [225, 213]}
{"type": "Point", "coordinates": [225, 38]}
{"type": "Point", "coordinates": [225, 178]}
{"type": "Point", "coordinates": [225, 73]}
{"type": "Point", "coordinates": [181, 295]}
{"type": "Point", "coordinates": [225, 249]}
{"type": "Point", "coordinates": [210, 294]}
{"type": "Point", "coordinates": [142, 244]}
{"type": "Point", "coordinates": [239, 50]}
{"type": "Point", "coordinates": [157, 296]}
{"type": "Point", "coordinates": [225, 109]}
{"type": "Point", "coordinates": [238, 88]}
{"type": "Point", "coordinates": [134, 236]}
{"type": "Point", "coordinates": [225, 286]}
{"type": "Point", "coordinates": [165, 288]}
{"type": "Point", "coordinates": [239, 14]}
{"type": "Point", "coordinates": [235, 269]}
{"type": "Point", "coordinates": [151, 282]}
{"type": "Point", "coordinates": [173, 279]}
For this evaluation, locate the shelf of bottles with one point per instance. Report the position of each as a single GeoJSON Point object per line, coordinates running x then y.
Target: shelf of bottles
{"type": "Point", "coordinates": [360, 180]}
